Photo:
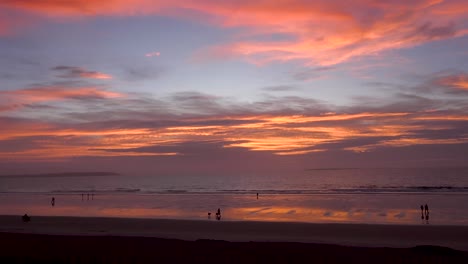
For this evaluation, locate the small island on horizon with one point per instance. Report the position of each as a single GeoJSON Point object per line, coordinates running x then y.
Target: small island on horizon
{"type": "Point", "coordinates": [64, 174]}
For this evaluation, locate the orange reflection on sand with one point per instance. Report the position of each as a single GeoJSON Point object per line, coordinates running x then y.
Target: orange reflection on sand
{"type": "Point", "coordinates": [322, 215]}
{"type": "Point", "coordinates": [143, 213]}
{"type": "Point", "coordinates": [299, 214]}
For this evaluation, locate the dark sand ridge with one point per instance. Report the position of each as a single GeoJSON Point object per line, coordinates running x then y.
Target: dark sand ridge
{"type": "Point", "coordinates": [366, 235]}
{"type": "Point", "coordinates": [33, 248]}
{"type": "Point", "coordinates": [119, 240]}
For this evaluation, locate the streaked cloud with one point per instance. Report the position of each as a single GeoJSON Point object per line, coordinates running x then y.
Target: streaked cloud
{"type": "Point", "coordinates": [77, 72]}
{"type": "Point", "coordinates": [458, 81]}
{"type": "Point", "coordinates": [153, 54]}
{"type": "Point", "coordinates": [11, 100]}
{"type": "Point", "coordinates": [280, 88]}
{"type": "Point", "coordinates": [194, 124]}
{"type": "Point", "coordinates": [321, 32]}
{"type": "Point", "coordinates": [72, 117]}
{"type": "Point", "coordinates": [311, 74]}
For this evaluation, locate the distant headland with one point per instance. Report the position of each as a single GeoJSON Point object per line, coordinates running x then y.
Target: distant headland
{"type": "Point", "coordinates": [63, 174]}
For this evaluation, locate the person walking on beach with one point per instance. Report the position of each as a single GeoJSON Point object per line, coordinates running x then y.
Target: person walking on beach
{"type": "Point", "coordinates": [218, 214]}
{"type": "Point", "coordinates": [426, 209]}
{"type": "Point", "coordinates": [53, 201]}
{"type": "Point", "coordinates": [257, 196]}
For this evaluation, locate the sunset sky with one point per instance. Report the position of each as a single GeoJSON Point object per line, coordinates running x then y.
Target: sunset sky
{"type": "Point", "coordinates": [204, 86]}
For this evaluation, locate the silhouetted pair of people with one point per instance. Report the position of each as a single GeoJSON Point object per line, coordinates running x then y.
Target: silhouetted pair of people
{"type": "Point", "coordinates": [87, 195]}
{"type": "Point", "coordinates": [52, 202]}
{"type": "Point", "coordinates": [218, 214]}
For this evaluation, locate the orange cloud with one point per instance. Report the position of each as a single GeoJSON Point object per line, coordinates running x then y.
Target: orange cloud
{"type": "Point", "coordinates": [328, 33]}
{"type": "Point", "coordinates": [95, 75]}
{"type": "Point", "coordinates": [49, 93]}
{"type": "Point", "coordinates": [11, 100]}
{"type": "Point", "coordinates": [318, 32]}
{"type": "Point", "coordinates": [77, 8]}
{"type": "Point", "coordinates": [459, 81]}
{"type": "Point", "coordinates": [276, 134]}
{"type": "Point", "coordinates": [77, 72]}
{"type": "Point", "coordinates": [405, 142]}
{"type": "Point", "coordinates": [453, 8]}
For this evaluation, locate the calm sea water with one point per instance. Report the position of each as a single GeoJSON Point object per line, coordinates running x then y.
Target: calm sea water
{"type": "Point", "coordinates": [381, 196]}
{"type": "Point", "coordinates": [310, 182]}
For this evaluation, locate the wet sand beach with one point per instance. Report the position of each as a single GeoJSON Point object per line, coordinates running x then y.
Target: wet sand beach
{"type": "Point", "coordinates": [114, 240]}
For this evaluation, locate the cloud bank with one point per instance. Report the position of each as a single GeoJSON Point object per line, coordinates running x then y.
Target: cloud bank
{"type": "Point", "coordinates": [316, 32]}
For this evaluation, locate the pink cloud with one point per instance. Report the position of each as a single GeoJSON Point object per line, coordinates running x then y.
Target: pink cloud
{"type": "Point", "coordinates": [327, 37]}
{"type": "Point", "coordinates": [153, 54]}
{"type": "Point", "coordinates": [324, 32]}
{"type": "Point", "coordinates": [95, 75]}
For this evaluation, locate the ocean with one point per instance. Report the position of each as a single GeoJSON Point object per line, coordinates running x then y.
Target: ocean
{"type": "Point", "coordinates": [351, 195]}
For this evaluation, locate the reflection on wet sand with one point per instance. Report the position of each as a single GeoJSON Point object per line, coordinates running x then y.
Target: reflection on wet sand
{"type": "Point", "coordinates": [380, 209]}
{"type": "Point", "coordinates": [321, 215]}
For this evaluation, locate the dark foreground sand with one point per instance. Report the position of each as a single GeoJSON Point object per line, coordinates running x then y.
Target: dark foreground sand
{"type": "Point", "coordinates": [113, 240]}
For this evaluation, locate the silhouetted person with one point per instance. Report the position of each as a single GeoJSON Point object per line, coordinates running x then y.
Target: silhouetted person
{"type": "Point", "coordinates": [426, 209]}
{"type": "Point", "coordinates": [88, 196]}
{"type": "Point", "coordinates": [218, 214]}
{"type": "Point", "coordinates": [53, 201]}
{"type": "Point", "coordinates": [422, 209]}
{"type": "Point", "coordinates": [257, 196]}
{"type": "Point", "coordinates": [26, 218]}
{"type": "Point", "coordinates": [209, 215]}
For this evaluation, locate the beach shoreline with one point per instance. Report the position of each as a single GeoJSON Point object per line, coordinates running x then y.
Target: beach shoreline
{"type": "Point", "coordinates": [361, 235]}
